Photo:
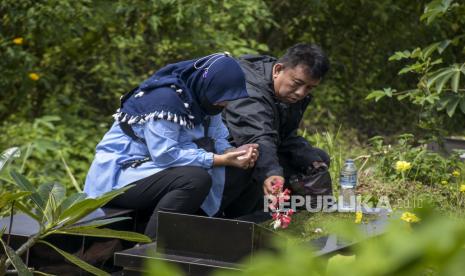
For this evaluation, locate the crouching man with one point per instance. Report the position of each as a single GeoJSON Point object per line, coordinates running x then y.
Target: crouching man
{"type": "Point", "coordinates": [279, 92]}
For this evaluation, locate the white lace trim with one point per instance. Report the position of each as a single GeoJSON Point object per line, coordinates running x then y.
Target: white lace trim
{"type": "Point", "coordinates": [163, 115]}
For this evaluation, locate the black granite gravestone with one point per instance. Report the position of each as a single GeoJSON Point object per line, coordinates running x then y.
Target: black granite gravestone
{"type": "Point", "coordinates": [198, 244]}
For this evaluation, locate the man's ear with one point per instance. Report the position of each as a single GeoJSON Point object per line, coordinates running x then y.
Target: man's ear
{"type": "Point", "coordinates": [277, 69]}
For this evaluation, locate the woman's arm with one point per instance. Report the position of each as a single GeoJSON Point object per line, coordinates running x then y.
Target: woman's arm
{"type": "Point", "coordinates": [162, 138]}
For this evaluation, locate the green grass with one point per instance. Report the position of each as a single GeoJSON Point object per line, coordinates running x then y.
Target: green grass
{"type": "Point", "coordinates": [304, 224]}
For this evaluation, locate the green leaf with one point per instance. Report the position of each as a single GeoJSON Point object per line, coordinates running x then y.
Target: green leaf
{"type": "Point", "coordinates": [451, 106]}
{"type": "Point", "coordinates": [377, 95]}
{"type": "Point", "coordinates": [403, 96]}
{"type": "Point", "coordinates": [87, 206]}
{"type": "Point", "coordinates": [432, 98]}
{"type": "Point", "coordinates": [71, 200]}
{"type": "Point", "coordinates": [416, 53]}
{"type": "Point", "coordinates": [444, 101]}
{"type": "Point", "coordinates": [443, 45]}
{"type": "Point", "coordinates": [27, 211]}
{"type": "Point", "coordinates": [7, 197]}
{"type": "Point", "coordinates": [46, 121]}
{"type": "Point", "coordinates": [16, 260]}
{"type": "Point", "coordinates": [99, 222]}
{"type": "Point", "coordinates": [411, 68]}
{"type": "Point", "coordinates": [8, 155]}
{"type": "Point", "coordinates": [75, 260]}
{"type": "Point", "coordinates": [440, 78]}
{"type": "Point", "coordinates": [462, 105]}
{"type": "Point", "coordinates": [437, 61]}
{"type": "Point", "coordinates": [53, 194]}
{"type": "Point", "coordinates": [400, 55]}
{"type": "Point", "coordinates": [70, 174]}
{"type": "Point", "coordinates": [435, 9]}
{"type": "Point", "coordinates": [104, 233]}
{"type": "Point", "coordinates": [48, 189]}
{"type": "Point", "coordinates": [388, 91]}
{"type": "Point", "coordinates": [455, 81]}
{"type": "Point", "coordinates": [430, 49]}
{"type": "Point", "coordinates": [25, 185]}
{"type": "Point", "coordinates": [433, 77]}
{"type": "Point", "coordinates": [26, 156]}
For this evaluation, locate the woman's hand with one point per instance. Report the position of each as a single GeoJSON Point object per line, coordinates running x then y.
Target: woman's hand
{"type": "Point", "coordinates": [254, 151]}
{"type": "Point", "coordinates": [236, 157]}
{"type": "Point", "coordinates": [246, 147]}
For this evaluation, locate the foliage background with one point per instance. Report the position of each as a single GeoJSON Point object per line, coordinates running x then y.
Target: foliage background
{"type": "Point", "coordinates": [64, 65]}
{"type": "Point", "coordinates": [87, 53]}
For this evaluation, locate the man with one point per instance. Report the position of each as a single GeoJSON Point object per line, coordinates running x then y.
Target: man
{"type": "Point", "coordinates": [280, 91]}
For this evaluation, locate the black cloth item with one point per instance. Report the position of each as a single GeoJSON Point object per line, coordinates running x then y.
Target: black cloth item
{"type": "Point", "coordinates": [262, 119]}
{"type": "Point", "coordinates": [177, 189]}
{"type": "Point", "coordinates": [240, 195]}
{"type": "Point", "coordinates": [183, 189]}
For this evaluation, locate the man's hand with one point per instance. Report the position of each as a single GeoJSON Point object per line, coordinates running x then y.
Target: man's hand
{"type": "Point", "coordinates": [318, 164]}
{"type": "Point", "coordinates": [268, 183]}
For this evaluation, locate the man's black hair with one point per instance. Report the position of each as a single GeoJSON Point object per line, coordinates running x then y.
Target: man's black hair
{"type": "Point", "coordinates": [308, 55]}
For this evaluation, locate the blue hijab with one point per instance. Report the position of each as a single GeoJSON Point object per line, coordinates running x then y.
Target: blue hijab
{"type": "Point", "coordinates": [184, 92]}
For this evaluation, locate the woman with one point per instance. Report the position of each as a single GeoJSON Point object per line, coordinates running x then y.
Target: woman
{"type": "Point", "coordinates": [168, 140]}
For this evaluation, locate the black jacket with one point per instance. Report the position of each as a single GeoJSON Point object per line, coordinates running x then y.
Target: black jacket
{"type": "Point", "coordinates": [262, 119]}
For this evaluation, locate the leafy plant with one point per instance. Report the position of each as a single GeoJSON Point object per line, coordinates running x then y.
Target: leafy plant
{"type": "Point", "coordinates": [63, 148]}
{"type": "Point", "coordinates": [437, 89]}
{"type": "Point", "coordinates": [423, 166]}
{"type": "Point", "coordinates": [57, 213]}
{"type": "Point", "coordinates": [410, 174]}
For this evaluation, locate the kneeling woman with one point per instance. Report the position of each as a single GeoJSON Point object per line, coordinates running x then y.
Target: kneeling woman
{"type": "Point", "coordinates": [169, 140]}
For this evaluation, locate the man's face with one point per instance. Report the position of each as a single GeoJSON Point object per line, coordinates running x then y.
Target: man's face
{"type": "Point", "coordinates": [292, 84]}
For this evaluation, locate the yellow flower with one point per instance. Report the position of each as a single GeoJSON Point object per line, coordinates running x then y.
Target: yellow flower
{"type": "Point", "coordinates": [402, 166]}
{"type": "Point", "coordinates": [18, 41]}
{"type": "Point", "coordinates": [358, 217]}
{"type": "Point", "coordinates": [456, 173]}
{"type": "Point", "coordinates": [444, 182]}
{"type": "Point", "coordinates": [34, 76]}
{"type": "Point", "coordinates": [462, 188]}
{"type": "Point", "coordinates": [409, 217]}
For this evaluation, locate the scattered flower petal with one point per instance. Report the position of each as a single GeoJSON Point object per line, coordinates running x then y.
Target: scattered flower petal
{"type": "Point", "coordinates": [318, 230]}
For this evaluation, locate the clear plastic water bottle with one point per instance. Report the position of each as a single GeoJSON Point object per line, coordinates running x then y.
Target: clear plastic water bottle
{"type": "Point", "coordinates": [348, 182]}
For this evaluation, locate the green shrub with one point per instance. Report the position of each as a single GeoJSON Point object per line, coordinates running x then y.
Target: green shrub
{"type": "Point", "coordinates": [424, 166]}
{"type": "Point", "coordinates": [53, 149]}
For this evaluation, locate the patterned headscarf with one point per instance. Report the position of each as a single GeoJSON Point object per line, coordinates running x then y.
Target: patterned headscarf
{"type": "Point", "coordinates": [185, 92]}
